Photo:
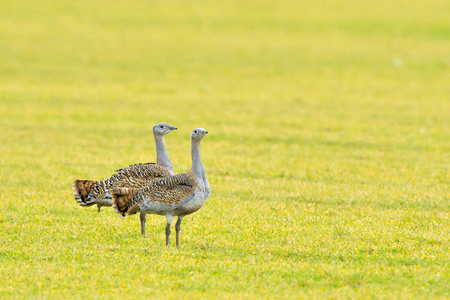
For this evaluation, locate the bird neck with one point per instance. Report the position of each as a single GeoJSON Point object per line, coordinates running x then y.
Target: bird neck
{"type": "Point", "coordinates": [162, 158]}
{"type": "Point", "coordinates": [197, 166]}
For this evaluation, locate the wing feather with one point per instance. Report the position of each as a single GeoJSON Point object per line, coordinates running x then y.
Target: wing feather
{"type": "Point", "coordinates": [169, 190]}
{"type": "Point", "coordinates": [133, 176]}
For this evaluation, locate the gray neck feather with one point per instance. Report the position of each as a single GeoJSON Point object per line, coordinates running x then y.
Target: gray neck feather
{"type": "Point", "coordinates": [197, 166]}
{"type": "Point", "coordinates": [162, 158]}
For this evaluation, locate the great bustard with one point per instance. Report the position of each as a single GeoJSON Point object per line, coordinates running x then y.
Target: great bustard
{"type": "Point", "coordinates": [172, 196]}
{"type": "Point", "coordinates": [90, 192]}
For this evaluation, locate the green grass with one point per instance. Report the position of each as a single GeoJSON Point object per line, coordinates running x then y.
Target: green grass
{"type": "Point", "coordinates": [328, 153]}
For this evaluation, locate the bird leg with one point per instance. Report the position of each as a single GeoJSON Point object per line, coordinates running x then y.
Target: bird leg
{"type": "Point", "coordinates": [98, 208]}
{"type": "Point", "coordinates": [143, 219]}
{"type": "Point", "coordinates": [178, 228]}
{"type": "Point", "coordinates": [167, 234]}
{"type": "Point", "coordinates": [169, 221]}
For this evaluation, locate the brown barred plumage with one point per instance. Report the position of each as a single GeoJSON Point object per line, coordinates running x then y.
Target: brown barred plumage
{"type": "Point", "coordinates": [81, 189]}
{"type": "Point", "coordinates": [169, 190]}
{"type": "Point", "coordinates": [122, 198]}
{"type": "Point", "coordinates": [134, 176]}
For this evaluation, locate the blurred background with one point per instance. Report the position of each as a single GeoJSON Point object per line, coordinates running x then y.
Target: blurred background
{"type": "Point", "coordinates": [81, 77]}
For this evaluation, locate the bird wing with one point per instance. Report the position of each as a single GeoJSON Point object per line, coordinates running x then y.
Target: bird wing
{"type": "Point", "coordinates": [168, 190]}
{"type": "Point", "coordinates": [133, 176]}
{"type": "Point", "coordinates": [145, 171]}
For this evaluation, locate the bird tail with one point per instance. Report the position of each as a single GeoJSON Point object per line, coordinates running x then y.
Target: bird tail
{"type": "Point", "coordinates": [122, 199]}
{"type": "Point", "coordinates": [82, 190]}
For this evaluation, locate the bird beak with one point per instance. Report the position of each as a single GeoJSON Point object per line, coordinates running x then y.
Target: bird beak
{"type": "Point", "coordinates": [173, 128]}
{"type": "Point", "coordinates": [206, 132]}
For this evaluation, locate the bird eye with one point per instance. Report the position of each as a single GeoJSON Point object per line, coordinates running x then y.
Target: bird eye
{"type": "Point", "coordinates": [195, 131]}
{"type": "Point", "coordinates": [161, 126]}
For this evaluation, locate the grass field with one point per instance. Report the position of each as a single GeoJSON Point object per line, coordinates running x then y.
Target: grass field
{"type": "Point", "coordinates": [328, 154]}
